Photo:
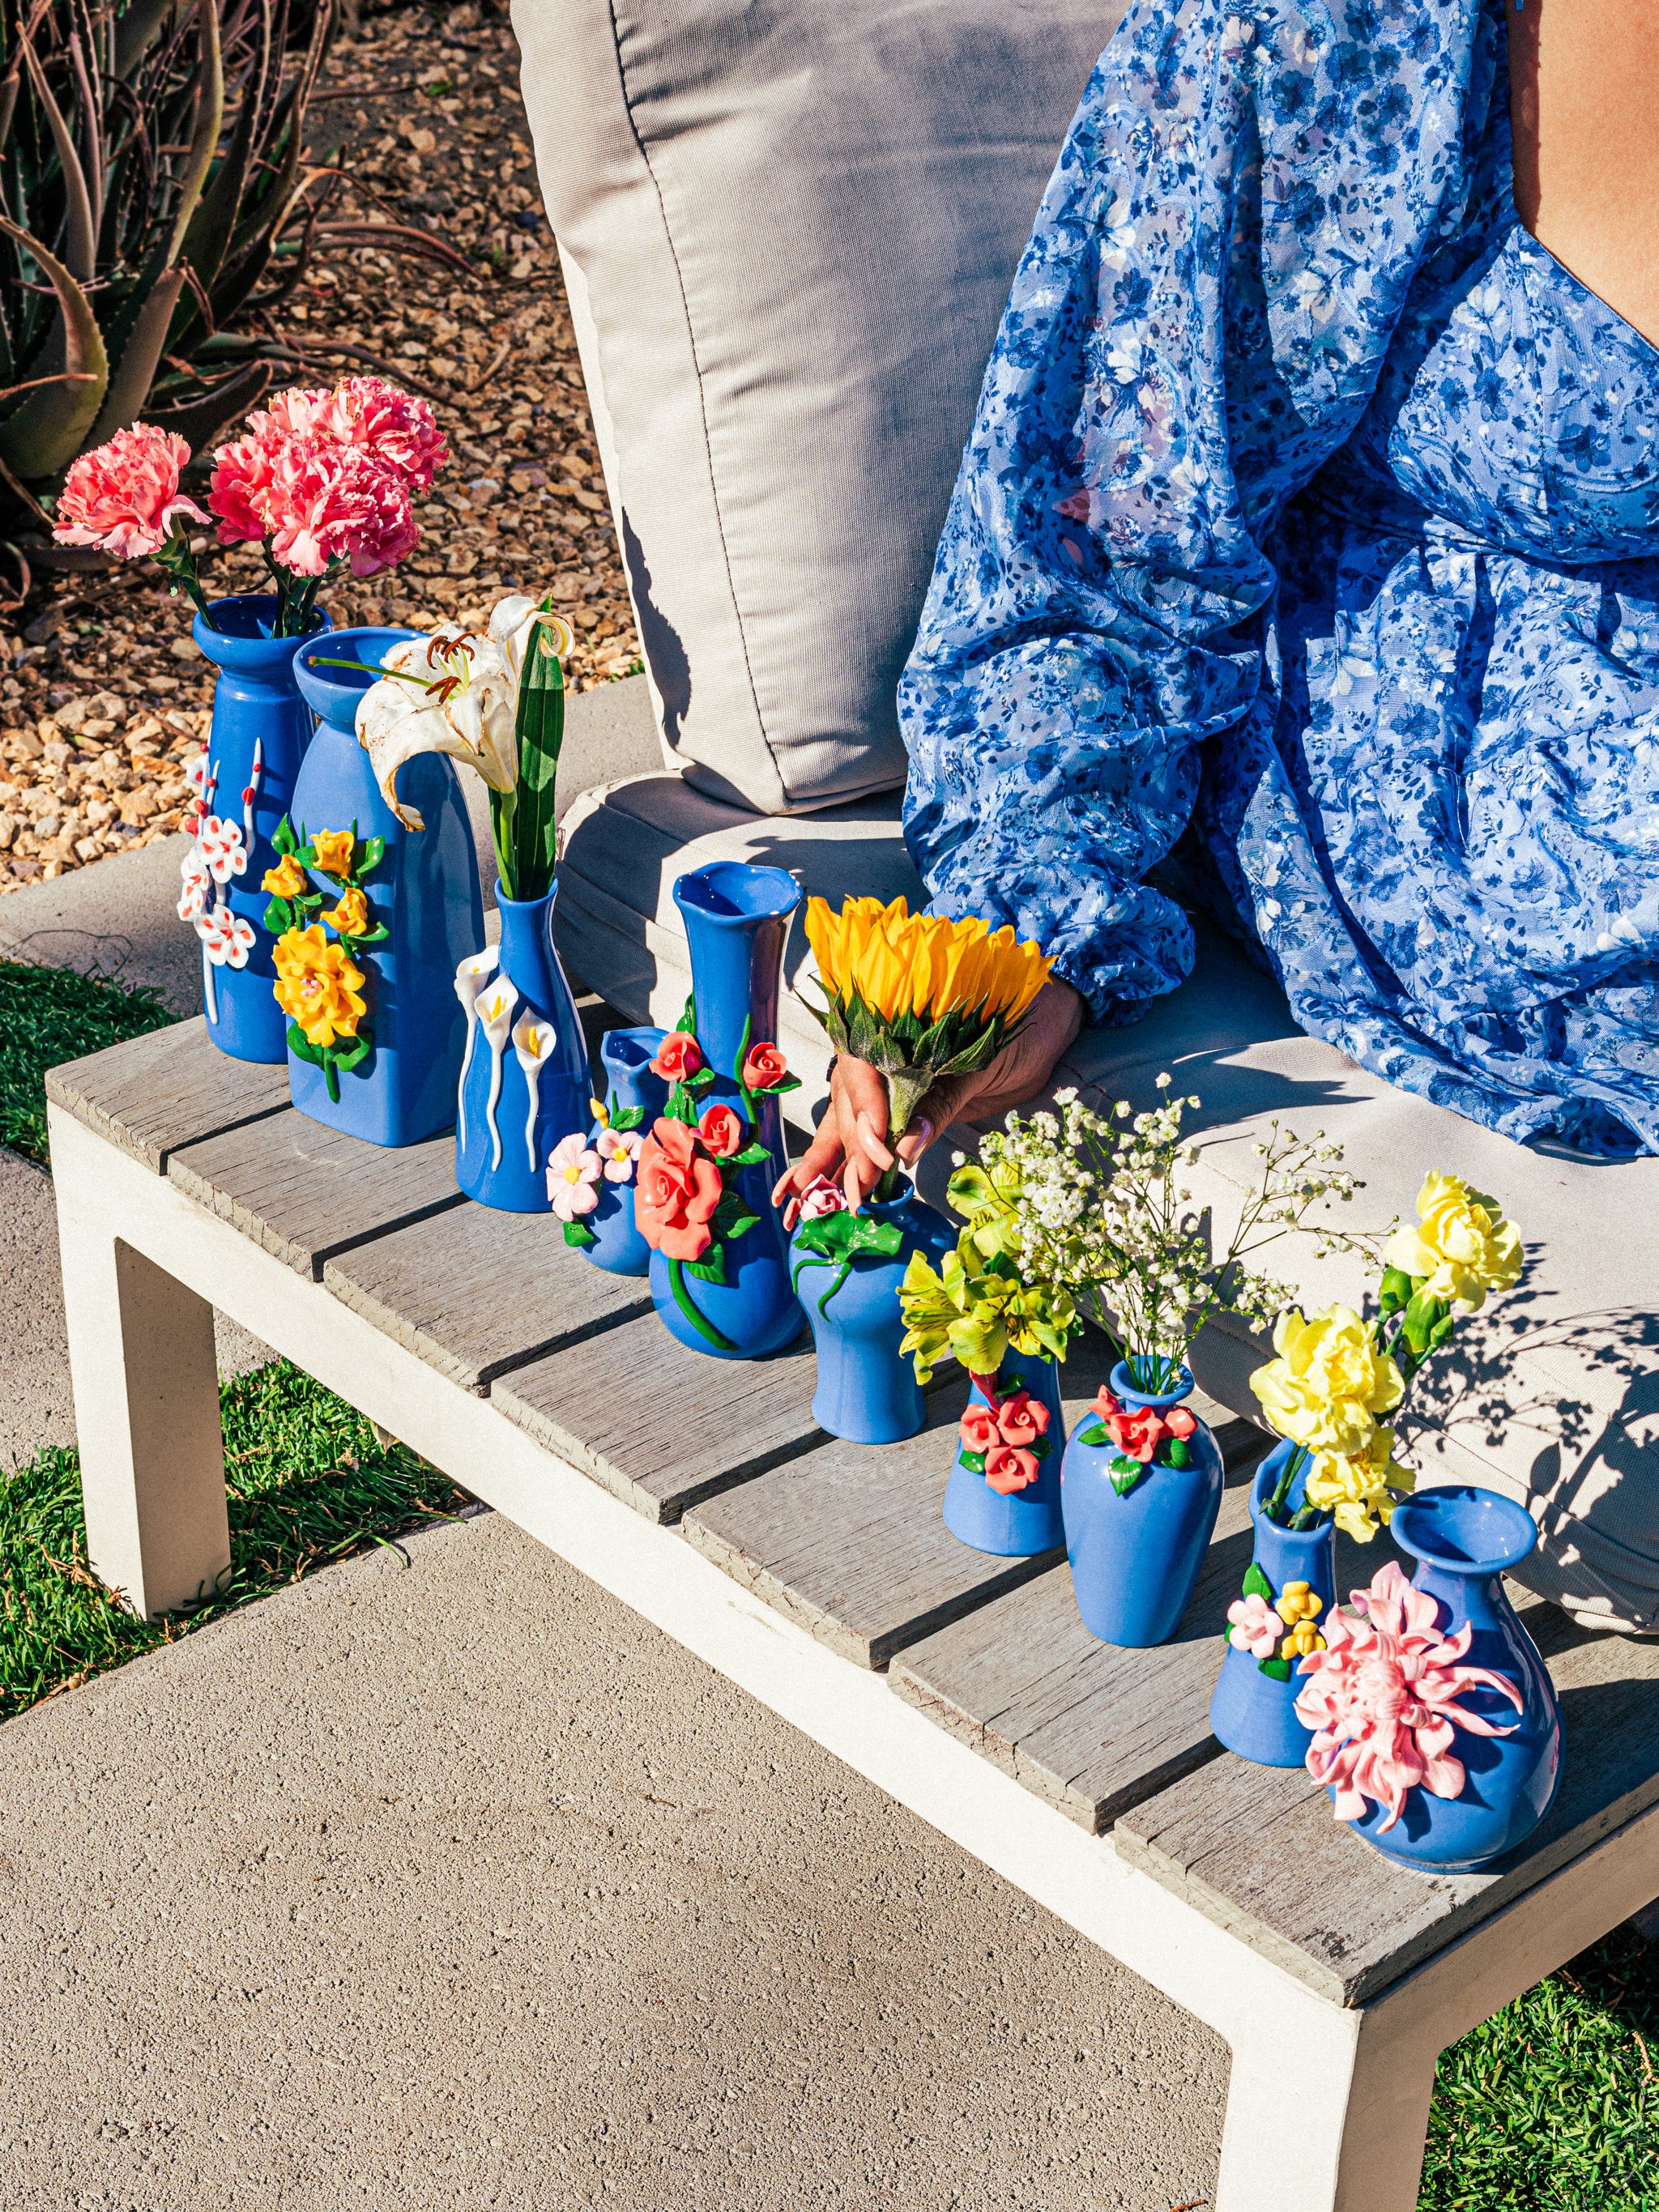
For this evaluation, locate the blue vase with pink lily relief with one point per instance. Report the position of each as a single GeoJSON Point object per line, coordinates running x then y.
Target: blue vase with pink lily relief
{"type": "Point", "coordinates": [1141, 1486]}
{"type": "Point", "coordinates": [1004, 1492]}
{"type": "Point", "coordinates": [593, 1194]}
{"type": "Point", "coordinates": [847, 1269]}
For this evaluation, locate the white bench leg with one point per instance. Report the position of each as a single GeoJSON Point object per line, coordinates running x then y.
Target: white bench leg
{"type": "Point", "coordinates": [1326, 2115]}
{"type": "Point", "coordinates": [147, 1415]}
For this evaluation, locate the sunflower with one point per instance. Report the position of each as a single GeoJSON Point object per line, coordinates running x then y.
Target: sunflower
{"type": "Point", "coordinates": [919, 996]}
{"type": "Point", "coordinates": [317, 985]}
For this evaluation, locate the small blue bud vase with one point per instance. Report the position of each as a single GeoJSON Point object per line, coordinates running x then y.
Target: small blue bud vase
{"type": "Point", "coordinates": [389, 1077]}
{"type": "Point", "coordinates": [244, 787]}
{"type": "Point", "coordinates": [735, 1302]}
{"type": "Point", "coordinates": [846, 1272]}
{"type": "Point", "coordinates": [1464, 1539]}
{"type": "Point", "coordinates": [1253, 1710]}
{"type": "Point", "coordinates": [1136, 1532]}
{"type": "Point", "coordinates": [1018, 1522]}
{"type": "Point", "coordinates": [633, 1099]}
{"type": "Point", "coordinates": [526, 1082]}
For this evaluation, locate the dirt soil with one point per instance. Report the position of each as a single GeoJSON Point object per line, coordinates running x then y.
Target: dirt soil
{"type": "Point", "coordinates": [105, 696]}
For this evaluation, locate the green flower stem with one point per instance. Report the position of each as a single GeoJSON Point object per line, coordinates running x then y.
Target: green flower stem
{"type": "Point", "coordinates": [704, 1327]}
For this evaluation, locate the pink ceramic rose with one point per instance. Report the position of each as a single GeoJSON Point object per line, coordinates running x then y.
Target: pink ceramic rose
{"type": "Point", "coordinates": [978, 1429]}
{"type": "Point", "coordinates": [1022, 1419]}
{"type": "Point", "coordinates": [1007, 1468]}
{"type": "Point", "coordinates": [123, 497]}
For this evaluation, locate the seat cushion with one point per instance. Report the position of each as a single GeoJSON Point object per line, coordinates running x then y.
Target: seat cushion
{"type": "Point", "coordinates": [789, 232]}
{"type": "Point", "coordinates": [1552, 1395]}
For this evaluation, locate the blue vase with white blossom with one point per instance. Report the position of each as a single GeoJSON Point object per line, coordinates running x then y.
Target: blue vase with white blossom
{"type": "Point", "coordinates": [633, 1097]}
{"type": "Point", "coordinates": [525, 1081]}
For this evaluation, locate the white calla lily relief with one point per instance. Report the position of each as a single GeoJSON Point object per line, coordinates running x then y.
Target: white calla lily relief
{"type": "Point", "coordinates": [495, 1009]}
{"type": "Point", "coordinates": [534, 1038]}
{"type": "Point", "coordinates": [473, 973]}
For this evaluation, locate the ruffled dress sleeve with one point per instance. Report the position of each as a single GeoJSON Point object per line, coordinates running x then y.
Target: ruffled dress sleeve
{"type": "Point", "coordinates": [1238, 214]}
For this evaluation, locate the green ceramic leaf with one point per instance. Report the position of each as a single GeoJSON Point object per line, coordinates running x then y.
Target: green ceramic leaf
{"type": "Point", "coordinates": [1094, 1436]}
{"type": "Point", "coordinates": [711, 1268]}
{"type": "Point", "coordinates": [1278, 1668]}
{"type": "Point", "coordinates": [279, 917]}
{"type": "Point", "coordinates": [626, 1117]}
{"type": "Point", "coordinates": [701, 1080]}
{"type": "Point", "coordinates": [1041, 1448]}
{"type": "Point", "coordinates": [749, 1157]}
{"type": "Point", "coordinates": [1256, 1583]}
{"type": "Point", "coordinates": [578, 1233]}
{"type": "Point", "coordinates": [301, 1046]}
{"type": "Point", "coordinates": [1179, 1455]}
{"type": "Point", "coordinates": [283, 836]}
{"type": "Point", "coordinates": [1125, 1474]}
{"type": "Point", "coordinates": [974, 1461]}
{"type": "Point", "coordinates": [346, 1057]}
{"type": "Point", "coordinates": [373, 854]}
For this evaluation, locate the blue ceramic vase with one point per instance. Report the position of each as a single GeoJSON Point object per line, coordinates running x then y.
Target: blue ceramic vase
{"type": "Point", "coordinates": [1135, 1553]}
{"type": "Point", "coordinates": [526, 1082]}
{"type": "Point", "coordinates": [867, 1391]}
{"type": "Point", "coordinates": [1464, 1539]}
{"type": "Point", "coordinates": [261, 728]}
{"type": "Point", "coordinates": [1253, 1710]}
{"type": "Point", "coordinates": [1015, 1523]}
{"type": "Point", "coordinates": [737, 920]}
{"type": "Point", "coordinates": [422, 890]}
{"type": "Point", "coordinates": [633, 1097]}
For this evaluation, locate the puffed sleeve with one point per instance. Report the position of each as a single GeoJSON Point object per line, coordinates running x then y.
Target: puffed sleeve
{"type": "Point", "coordinates": [1217, 269]}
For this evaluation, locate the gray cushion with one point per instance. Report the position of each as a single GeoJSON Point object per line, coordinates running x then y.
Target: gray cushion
{"type": "Point", "coordinates": [790, 230]}
{"type": "Point", "coordinates": [1552, 1396]}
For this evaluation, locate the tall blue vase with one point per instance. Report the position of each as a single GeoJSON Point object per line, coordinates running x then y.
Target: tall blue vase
{"type": "Point", "coordinates": [424, 891]}
{"type": "Point", "coordinates": [1024, 1521]}
{"type": "Point", "coordinates": [737, 920]}
{"type": "Point", "coordinates": [525, 1083]}
{"type": "Point", "coordinates": [261, 728]}
{"type": "Point", "coordinates": [630, 1086]}
{"type": "Point", "coordinates": [867, 1391]}
{"type": "Point", "coordinates": [1253, 1710]}
{"type": "Point", "coordinates": [1135, 1556]}
{"type": "Point", "coordinates": [1464, 1539]}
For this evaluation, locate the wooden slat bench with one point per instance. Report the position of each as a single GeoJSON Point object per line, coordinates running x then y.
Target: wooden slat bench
{"type": "Point", "coordinates": [820, 1576]}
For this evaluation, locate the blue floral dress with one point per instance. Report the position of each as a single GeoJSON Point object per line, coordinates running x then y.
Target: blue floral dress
{"type": "Point", "coordinates": [1304, 563]}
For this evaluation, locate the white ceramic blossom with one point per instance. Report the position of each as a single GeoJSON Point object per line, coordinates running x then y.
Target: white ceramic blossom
{"type": "Point", "coordinates": [495, 1009]}
{"type": "Point", "coordinates": [226, 936]}
{"type": "Point", "coordinates": [532, 1041]}
{"type": "Point", "coordinates": [193, 900]}
{"type": "Point", "coordinates": [618, 1152]}
{"type": "Point", "coordinates": [474, 972]}
{"type": "Point", "coordinates": [220, 846]}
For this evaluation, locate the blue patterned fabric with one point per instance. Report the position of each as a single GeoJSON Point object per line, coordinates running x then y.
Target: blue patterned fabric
{"type": "Point", "coordinates": [1306, 550]}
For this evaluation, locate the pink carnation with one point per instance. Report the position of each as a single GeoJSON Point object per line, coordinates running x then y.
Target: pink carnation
{"type": "Point", "coordinates": [244, 494]}
{"type": "Point", "coordinates": [392, 425]}
{"type": "Point", "coordinates": [337, 503]}
{"type": "Point", "coordinates": [1381, 1700]}
{"type": "Point", "coordinates": [296, 413]}
{"type": "Point", "coordinates": [123, 497]}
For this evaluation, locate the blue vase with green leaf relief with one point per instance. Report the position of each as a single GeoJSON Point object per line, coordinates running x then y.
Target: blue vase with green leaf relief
{"type": "Point", "coordinates": [848, 1268]}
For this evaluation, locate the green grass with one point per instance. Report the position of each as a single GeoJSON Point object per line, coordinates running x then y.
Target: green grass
{"type": "Point", "coordinates": [49, 1015]}
{"type": "Point", "coordinates": [307, 1483]}
{"type": "Point", "coordinates": [1552, 2105]}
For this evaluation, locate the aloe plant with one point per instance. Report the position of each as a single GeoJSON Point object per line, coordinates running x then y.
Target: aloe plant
{"type": "Point", "coordinates": [149, 156]}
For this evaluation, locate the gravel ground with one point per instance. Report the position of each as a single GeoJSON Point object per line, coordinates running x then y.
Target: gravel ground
{"type": "Point", "coordinates": [103, 696]}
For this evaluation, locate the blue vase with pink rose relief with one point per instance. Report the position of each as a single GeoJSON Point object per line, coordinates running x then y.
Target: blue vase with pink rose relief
{"type": "Point", "coordinates": [1004, 1492]}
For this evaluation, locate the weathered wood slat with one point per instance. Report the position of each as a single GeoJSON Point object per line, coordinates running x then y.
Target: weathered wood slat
{"type": "Point", "coordinates": [1256, 1848]}
{"type": "Point", "coordinates": [305, 1192]}
{"type": "Point", "coordinates": [173, 1087]}
{"type": "Point", "coordinates": [1093, 1728]}
{"type": "Point", "coordinates": [658, 1425]}
{"type": "Point", "coordinates": [476, 1293]}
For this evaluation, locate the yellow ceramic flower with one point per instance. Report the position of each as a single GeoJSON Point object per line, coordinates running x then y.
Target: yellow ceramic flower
{"type": "Point", "coordinates": [317, 985]}
{"type": "Point", "coordinates": [286, 880]}
{"type": "Point", "coordinates": [1356, 1487]}
{"type": "Point", "coordinates": [349, 915]}
{"type": "Point", "coordinates": [1461, 1244]}
{"type": "Point", "coordinates": [1304, 1639]}
{"type": "Point", "coordinates": [1329, 1381]}
{"type": "Point", "coordinates": [333, 849]}
{"type": "Point", "coordinates": [1297, 1601]}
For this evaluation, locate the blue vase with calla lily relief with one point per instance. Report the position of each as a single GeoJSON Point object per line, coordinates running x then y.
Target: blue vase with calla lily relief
{"type": "Point", "coordinates": [526, 1082]}
{"type": "Point", "coordinates": [1004, 1492]}
{"type": "Point", "coordinates": [720, 1258]}
{"type": "Point", "coordinates": [634, 1095]}
{"type": "Point", "coordinates": [1140, 1496]}
{"type": "Point", "coordinates": [244, 781]}
{"type": "Point", "coordinates": [846, 1270]}
{"type": "Point", "coordinates": [370, 918]}
{"type": "Point", "coordinates": [1288, 1591]}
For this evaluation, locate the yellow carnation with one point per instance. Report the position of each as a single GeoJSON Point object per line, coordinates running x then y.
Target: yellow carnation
{"type": "Point", "coordinates": [349, 915]}
{"type": "Point", "coordinates": [317, 985]}
{"type": "Point", "coordinates": [333, 850]}
{"type": "Point", "coordinates": [286, 880]}
{"type": "Point", "coordinates": [1462, 1244]}
{"type": "Point", "coordinates": [1355, 1486]}
{"type": "Point", "coordinates": [1329, 1381]}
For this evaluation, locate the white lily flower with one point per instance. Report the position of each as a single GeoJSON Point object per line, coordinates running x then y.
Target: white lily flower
{"type": "Point", "coordinates": [533, 1040]}
{"type": "Point", "coordinates": [465, 704]}
{"type": "Point", "coordinates": [512, 623]}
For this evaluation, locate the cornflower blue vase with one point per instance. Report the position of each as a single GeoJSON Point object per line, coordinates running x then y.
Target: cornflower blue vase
{"type": "Point", "coordinates": [1017, 1523]}
{"type": "Point", "coordinates": [737, 920]}
{"type": "Point", "coordinates": [631, 1088]}
{"type": "Point", "coordinates": [261, 728]}
{"type": "Point", "coordinates": [526, 1082]}
{"type": "Point", "coordinates": [1135, 1556]}
{"type": "Point", "coordinates": [1253, 1710]}
{"type": "Point", "coordinates": [1464, 1539]}
{"type": "Point", "coordinates": [423, 892]}
{"type": "Point", "coordinates": [868, 1390]}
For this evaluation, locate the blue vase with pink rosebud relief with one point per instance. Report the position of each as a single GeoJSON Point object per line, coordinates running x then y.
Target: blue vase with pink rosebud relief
{"type": "Point", "coordinates": [1003, 1495]}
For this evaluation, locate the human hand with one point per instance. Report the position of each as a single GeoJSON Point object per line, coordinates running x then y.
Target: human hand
{"type": "Point", "coordinates": [851, 1145]}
